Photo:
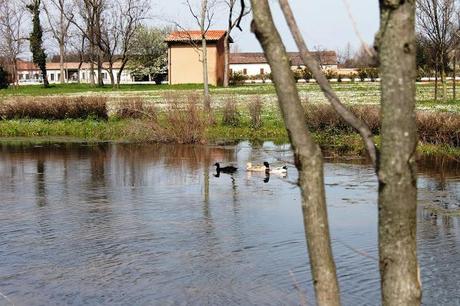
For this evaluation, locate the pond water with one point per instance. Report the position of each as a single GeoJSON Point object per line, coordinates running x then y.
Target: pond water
{"type": "Point", "coordinates": [127, 224]}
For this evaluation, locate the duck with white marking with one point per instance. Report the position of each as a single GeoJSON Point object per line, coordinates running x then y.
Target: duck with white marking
{"type": "Point", "coordinates": [278, 170]}
{"type": "Point", "coordinates": [255, 168]}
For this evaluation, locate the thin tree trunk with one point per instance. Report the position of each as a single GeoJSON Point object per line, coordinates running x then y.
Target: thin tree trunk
{"type": "Point", "coordinates": [61, 62]}
{"type": "Point", "coordinates": [308, 157]}
{"type": "Point", "coordinates": [205, 73]}
{"type": "Point", "coordinates": [443, 80]}
{"type": "Point", "coordinates": [226, 58]}
{"type": "Point", "coordinates": [91, 64]}
{"type": "Point", "coordinates": [436, 69]}
{"type": "Point", "coordinates": [120, 71]}
{"type": "Point", "coordinates": [454, 81]}
{"type": "Point", "coordinates": [396, 172]}
{"type": "Point", "coordinates": [112, 76]}
{"type": "Point", "coordinates": [204, 9]}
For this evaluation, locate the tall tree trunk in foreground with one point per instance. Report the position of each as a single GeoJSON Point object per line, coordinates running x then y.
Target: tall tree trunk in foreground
{"type": "Point", "coordinates": [397, 175]}
{"type": "Point", "coordinates": [308, 157]}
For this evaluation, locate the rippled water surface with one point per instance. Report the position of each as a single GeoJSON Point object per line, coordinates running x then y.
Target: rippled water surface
{"type": "Point", "coordinates": [125, 224]}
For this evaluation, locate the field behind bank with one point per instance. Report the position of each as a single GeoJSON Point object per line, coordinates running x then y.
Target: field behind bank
{"type": "Point", "coordinates": [350, 93]}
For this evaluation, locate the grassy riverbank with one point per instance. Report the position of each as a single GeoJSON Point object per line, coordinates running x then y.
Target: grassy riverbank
{"type": "Point", "coordinates": [133, 130]}
{"type": "Point", "coordinates": [165, 113]}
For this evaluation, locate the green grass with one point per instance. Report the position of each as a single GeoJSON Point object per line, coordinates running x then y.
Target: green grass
{"type": "Point", "coordinates": [62, 89]}
{"type": "Point", "coordinates": [90, 130]}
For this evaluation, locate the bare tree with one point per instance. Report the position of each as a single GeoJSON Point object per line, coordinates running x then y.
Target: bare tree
{"type": "Point", "coordinates": [204, 21]}
{"type": "Point", "coordinates": [435, 20]}
{"type": "Point", "coordinates": [12, 35]}
{"type": "Point", "coordinates": [233, 20]}
{"type": "Point", "coordinates": [89, 24]}
{"type": "Point", "coordinates": [396, 171]}
{"type": "Point", "coordinates": [121, 22]}
{"type": "Point", "coordinates": [307, 154]}
{"type": "Point", "coordinates": [394, 166]}
{"type": "Point", "coordinates": [59, 26]}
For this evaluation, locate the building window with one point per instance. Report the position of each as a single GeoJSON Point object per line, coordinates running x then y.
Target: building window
{"type": "Point", "coordinates": [245, 71]}
{"type": "Point", "coordinates": [59, 76]}
{"type": "Point", "coordinates": [52, 76]}
{"type": "Point", "coordinates": [27, 76]}
{"type": "Point", "coordinates": [83, 76]}
{"type": "Point", "coordinates": [262, 71]}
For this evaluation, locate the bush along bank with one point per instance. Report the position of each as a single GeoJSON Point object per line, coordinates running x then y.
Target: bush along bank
{"type": "Point", "coordinates": [182, 120]}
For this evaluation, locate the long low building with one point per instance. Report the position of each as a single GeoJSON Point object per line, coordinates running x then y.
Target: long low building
{"type": "Point", "coordinates": [255, 63]}
{"type": "Point", "coordinates": [28, 72]}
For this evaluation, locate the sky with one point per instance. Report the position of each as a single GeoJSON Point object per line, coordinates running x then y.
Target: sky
{"type": "Point", "coordinates": [324, 23]}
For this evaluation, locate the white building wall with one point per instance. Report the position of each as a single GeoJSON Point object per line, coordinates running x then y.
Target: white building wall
{"type": "Point", "coordinates": [251, 69]}
{"type": "Point", "coordinates": [254, 69]}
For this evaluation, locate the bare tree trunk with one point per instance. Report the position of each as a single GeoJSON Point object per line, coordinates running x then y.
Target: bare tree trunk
{"type": "Point", "coordinates": [207, 101]}
{"type": "Point", "coordinates": [308, 157]}
{"type": "Point", "coordinates": [91, 64]}
{"type": "Point", "coordinates": [397, 173]}
{"type": "Point", "coordinates": [443, 80]}
{"type": "Point", "coordinates": [61, 62]}
{"type": "Point", "coordinates": [454, 76]}
{"type": "Point", "coordinates": [120, 71]}
{"type": "Point", "coordinates": [100, 79]}
{"type": "Point", "coordinates": [204, 10]}
{"type": "Point", "coordinates": [112, 76]}
{"type": "Point", "coordinates": [226, 58]}
{"type": "Point", "coordinates": [436, 69]}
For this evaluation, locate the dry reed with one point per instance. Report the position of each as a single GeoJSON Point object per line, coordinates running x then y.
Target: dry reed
{"type": "Point", "coordinates": [54, 108]}
{"type": "Point", "coordinates": [433, 127]}
{"type": "Point", "coordinates": [230, 114]}
{"type": "Point", "coordinates": [255, 112]}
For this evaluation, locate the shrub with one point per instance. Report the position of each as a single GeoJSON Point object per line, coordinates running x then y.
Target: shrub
{"type": "Point", "coordinates": [186, 124]}
{"type": "Point", "coordinates": [135, 107]}
{"type": "Point", "coordinates": [330, 74]}
{"type": "Point", "coordinates": [373, 73]}
{"type": "Point", "coordinates": [362, 74]}
{"type": "Point", "coordinates": [54, 108]}
{"type": "Point", "coordinates": [298, 74]}
{"type": "Point", "coordinates": [306, 74]}
{"type": "Point", "coordinates": [368, 73]}
{"type": "Point", "coordinates": [237, 78]}
{"type": "Point", "coordinates": [255, 112]}
{"type": "Point", "coordinates": [433, 127]}
{"type": "Point", "coordinates": [4, 78]}
{"type": "Point", "coordinates": [230, 115]}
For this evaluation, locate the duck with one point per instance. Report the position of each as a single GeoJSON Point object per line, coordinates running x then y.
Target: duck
{"type": "Point", "coordinates": [227, 169]}
{"type": "Point", "coordinates": [256, 168]}
{"type": "Point", "coordinates": [277, 170]}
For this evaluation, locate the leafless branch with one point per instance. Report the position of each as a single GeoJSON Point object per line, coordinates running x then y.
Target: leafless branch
{"type": "Point", "coordinates": [330, 94]}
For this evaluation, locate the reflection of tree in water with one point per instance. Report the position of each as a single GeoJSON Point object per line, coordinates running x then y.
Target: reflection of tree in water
{"type": "Point", "coordinates": [40, 183]}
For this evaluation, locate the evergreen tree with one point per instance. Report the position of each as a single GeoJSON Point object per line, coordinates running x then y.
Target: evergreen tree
{"type": "Point", "coordinates": [4, 78]}
{"type": "Point", "coordinates": [36, 41]}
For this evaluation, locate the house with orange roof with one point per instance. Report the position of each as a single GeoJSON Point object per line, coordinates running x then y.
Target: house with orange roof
{"type": "Point", "coordinates": [185, 57]}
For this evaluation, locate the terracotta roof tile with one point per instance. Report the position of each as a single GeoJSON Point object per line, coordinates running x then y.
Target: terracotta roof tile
{"type": "Point", "coordinates": [182, 36]}
{"type": "Point", "coordinates": [325, 57]}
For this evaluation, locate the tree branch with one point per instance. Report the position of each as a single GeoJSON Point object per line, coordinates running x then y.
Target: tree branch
{"type": "Point", "coordinates": [338, 106]}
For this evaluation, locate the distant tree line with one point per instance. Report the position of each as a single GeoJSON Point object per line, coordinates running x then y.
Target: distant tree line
{"type": "Point", "coordinates": [94, 31]}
